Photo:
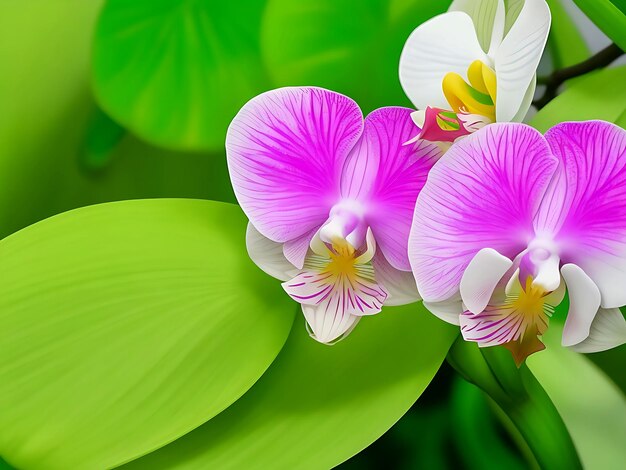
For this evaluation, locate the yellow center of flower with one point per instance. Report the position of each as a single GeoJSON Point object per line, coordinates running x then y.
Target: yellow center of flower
{"type": "Point", "coordinates": [342, 262]}
{"type": "Point", "coordinates": [533, 312]}
{"type": "Point", "coordinates": [476, 97]}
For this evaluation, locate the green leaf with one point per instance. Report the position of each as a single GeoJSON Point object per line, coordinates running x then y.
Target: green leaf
{"type": "Point", "coordinates": [317, 405]}
{"type": "Point", "coordinates": [103, 136]}
{"type": "Point", "coordinates": [593, 408]}
{"type": "Point", "coordinates": [175, 72]}
{"type": "Point", "coordinates": [126, 325]}
{"type": "Point", "coordinates": [601, 95]}
{"type": "Point", "coordinates": [44, 123]}
{"type": "Point", "coordinates": [350, 47]}
{"type": "Point", "coordinates": [565, 41]}
{"type": "Point", "coordinates": [607, 16]}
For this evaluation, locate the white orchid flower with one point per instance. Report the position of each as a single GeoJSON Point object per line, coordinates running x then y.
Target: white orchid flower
{"type": "Point", "coordinates": [474, 65]}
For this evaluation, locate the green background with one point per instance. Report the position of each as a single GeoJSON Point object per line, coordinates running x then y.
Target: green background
{"type": "Point", "coordinates": [118, 100]}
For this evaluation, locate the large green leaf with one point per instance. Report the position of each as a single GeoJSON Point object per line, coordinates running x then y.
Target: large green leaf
{"type": "Point", "coordinates": [44, 125]}
{"type": "Point", "coordinates": [609, 16]}
{"type": "Point", "coordinates": [593, 408]}
{"type": "Point", "coordinates": [601, 95]}
{"type": "Point", "coordinates": [175, 72]}
{"type": "Point", "coordinates": [126, 325]}
{"type": "Point", "coordinates": [351, 47]}
{"type": "Point", "coordinates": [317, 405]}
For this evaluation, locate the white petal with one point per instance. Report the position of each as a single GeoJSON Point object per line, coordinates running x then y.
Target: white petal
{"type": "Point", "coordinates": [481, 278]}
{"type": "Point", "coordinates": [584, 301]}
{"type": "Point", "coordinates": [449, 310]}
{"type": "Point", "coordinates": [522, 113]}
{"type": "Point", "coordinates": [608, 330]}
{"type": "Point", "coordinates": [517, 57]}
{"type": "Point", "coordinates": [370, 244]}
{"type": "Point", "coordinates": [399, 284]}
{"type": "Point", "coordinates": [328, 328]}
{"type": "Point", "coordinates": [268, 255]}
{"type": "Point", "coordinates": [488, 18]}
{"type": "Point", "coordinates": [445, 43]}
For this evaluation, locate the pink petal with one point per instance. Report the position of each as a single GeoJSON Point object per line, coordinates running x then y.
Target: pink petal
{"type": "Point", "coordinates": [585, 205]}
{"type": "Point", "coordinates": [483, 193]}
{"type": "Point", "coordinates": [385, 176]}
{"type": "Point", "coordinates": [286, 149]}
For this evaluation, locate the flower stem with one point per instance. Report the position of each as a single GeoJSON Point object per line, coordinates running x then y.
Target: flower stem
{"type": "Point", "coordinates": [552, 82]}
{"type": "Point", "coordinates": [520, 396]}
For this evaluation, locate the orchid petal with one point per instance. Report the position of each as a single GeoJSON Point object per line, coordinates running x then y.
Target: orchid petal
{"type": "Point", "coordinates": [608, 330]}
{"type": "Point", "coordinates": [488, 17]}
{"type": "Point", "coordinates": [385, 176]}
{"type": "Point", "coordinates": [443, 44]}
{"type": "Point", "coordinates": [325, 328]}
{"type": "Point", "coordinates": [400, 284]}
{"type": "Point", "coordinates": [337, 295]}
{"type": "Point", "coordinates": [527, 101]}
{"type": "Point", "coordinates": [449, 310]}
{"type": "Point", "coordinates": [296, 250]}
{"type": "Point", "coordinates": [517, 58]}
{"type": "Point", "coordinates": [268, 255]}
{"type": "Point", "coordinates": [491, 327]}
{"type": "Point", "coordinates": [285, 150]}
{"type": "Point", "coordinates": [584, 301]}
{"type": "Point", "coordinates": [585, 206]}
{"type": "Point", "coordinates": [481, 277]}
{"type": "Point", "coordinates": [481, 194]}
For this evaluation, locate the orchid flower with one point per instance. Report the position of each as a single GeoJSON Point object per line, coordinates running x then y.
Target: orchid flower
{"type": "Point", "coordinates": [508, 219]}
{"type": "Point", "coordinates": [474, 65]}
{"type": "Point", "coordinates": [330, 200]}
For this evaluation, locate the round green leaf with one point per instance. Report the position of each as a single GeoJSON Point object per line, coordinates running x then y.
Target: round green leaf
{"type": "Point", "coordinates": [350, 47]}
{"type": "Point", "coordinates": [46, 121]}
{"type": "Point", "coordinates": [592, 407]}
{"type": "Point", "coordinates": [601, 95]}
{"type": "Point", "coordinates": [125, 325]}
{"type": "Point", "coordinates": [175, 72]}
{"type": "Point", "coordinates": [317, 405]}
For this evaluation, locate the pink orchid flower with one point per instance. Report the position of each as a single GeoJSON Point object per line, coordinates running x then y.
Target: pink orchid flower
{"type": "Point", "coordinates": [508, 219]}
{"type": "Point", "coordinates": [330, 199]}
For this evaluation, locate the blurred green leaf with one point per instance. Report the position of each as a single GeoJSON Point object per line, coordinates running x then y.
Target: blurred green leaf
{"type": "Point", "coordinates": [350, 47]}
{"type": "Point", "coordinates": [103, 136]}
{"type": "Point", "coordinates": [317, 405]}
{"type": "Point", "coordinates": [175, 72]}
{"type": "Point", "coordinates": [126, 325]}
{"type": "Point", "coordinates": [565, 41]}
{"type": "Point", "coordinates": [609, 16]}
{"type": "Point", "coordinates": [593, 408]}
{"type": "Point", "coordinates": [601, 95]}
{"type": "Point", "coordinates": [46, 111]}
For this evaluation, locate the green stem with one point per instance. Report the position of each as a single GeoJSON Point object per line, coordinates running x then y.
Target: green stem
{"type": "Point", "coordinates": [520, 396]}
